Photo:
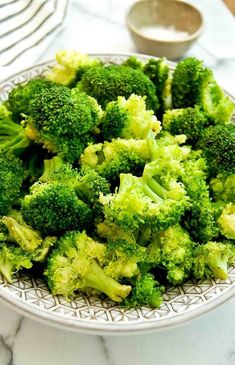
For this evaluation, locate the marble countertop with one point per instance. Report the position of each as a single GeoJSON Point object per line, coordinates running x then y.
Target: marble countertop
{"type": "Point", "coordinates": [99, 26]}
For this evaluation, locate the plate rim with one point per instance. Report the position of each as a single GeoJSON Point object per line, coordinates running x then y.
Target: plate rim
{"type": "Point", "coordinates": [115, 328]}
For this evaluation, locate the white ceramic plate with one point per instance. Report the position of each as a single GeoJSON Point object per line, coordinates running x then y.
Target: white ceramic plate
{"type": "Point", "coordinates": [30, 295]}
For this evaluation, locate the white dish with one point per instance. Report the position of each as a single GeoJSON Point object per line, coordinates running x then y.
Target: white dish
{"type": "Point", "coordinates": [30, 295]}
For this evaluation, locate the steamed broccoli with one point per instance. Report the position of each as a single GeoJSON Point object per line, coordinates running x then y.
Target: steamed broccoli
{"type": "Point", "coordinates": [75, 265]}
{"type": "Point", "coordinates": [105, 84]}
{"type": "Point", "coordinates": [129, 119]}
{"type": "Point", "coordinates": [27, 238]}
{"type": "Point", "coordinates": [11, 178]}
{"type": "Point", "coordinates": [123, 258]}
{"type": "Point", "coordinates": [189, 121]}
{"type": "Point", "coordinates": [193, 84]}
{"type": "Point", "coordinates": [19, 232]}
{"type": "Point", "coordinates": [133, 62]}
{"type": "Point", "coordinates": [20, 97]}
{"type": "Point", "coordinates": [173, 250]}
{"type": "Point", "coordinates": [145, 201]}
{"type": "Point", "coordinates": [63, 120]}
{"type": "Point", "coordinates": [53, 208]}
{"type": "Point", "coordinates": [218, 146]}
{"type": "Point", "coordinates": [226, 221]}
{"type": "Point", "coordinates": [88, 188]}
{"type": "Point", "coordinates": [146, 292]}
{"type": "Point", "coordinates": [112, 232]}
{"type": "Point", "coordinates": [70, 67]}
{"type": "Point", "coordinates": [119, 156]}
{"type": "Point", "coordinates": [211, 260]}
{"type": "Point", "coordinates": [159, 73]}
{"type": "Point", "coordinates": [223, 187]}
{"type": "Point", "coordinates": [87, 183]}
{"type": "Point", "coordinates": [12, 257]}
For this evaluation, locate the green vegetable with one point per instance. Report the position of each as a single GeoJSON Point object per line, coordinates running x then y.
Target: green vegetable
{"type": "Point", "coordinates": [75, 265]}
{"type": "Point", "coordinates": [11, 179]}
{"type": "Point", "coordinates": [193, 84]}
{"type": "Point", "coordinates": [105, 84]}
{"type": "Point", "coordinates": [129, 119]}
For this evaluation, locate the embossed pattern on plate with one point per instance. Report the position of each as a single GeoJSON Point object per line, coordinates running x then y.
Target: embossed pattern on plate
{"type": "Point", "coordinates": [30, 295]}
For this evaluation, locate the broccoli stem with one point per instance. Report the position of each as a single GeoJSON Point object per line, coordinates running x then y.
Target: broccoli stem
{"type": "Point", "coordinates": [151, 194]}
{"type": "Point", "coordinates": [97, 279]}
{"type": "Point", "coordinates": [6, 268]}
{"type": "Point", "coordinates": [51, 166]}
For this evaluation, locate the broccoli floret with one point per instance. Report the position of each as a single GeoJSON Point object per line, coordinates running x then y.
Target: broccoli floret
{"type": "Point", "coordinates": [190, 121]}
{"type": "Point", "coordinates": [28, 239]}
{"type": "Point", "coordinates": [70, 67]}
{"type": "Point", "coordinates": [156, 198]}
{"type": "Point", "coordinates": [146, 292]}
{"type": "Point", "coordinates": [19, 232]}
{"type": "Point", "coordinates": [88, 188]}
{"type": "Point", "coordinates": [53, 208]}
{"type": "Point", "coordinates": [112, 232]}
{"type": "Point", "coordinates": [218, 146]}
{"type": "Point", "coordinates": [133, 62]}
{"type": "Point", "coordinates": [119, 156]}
{"type": "Point", "coordinates": [199, 219]}
{"type": "Point", "coordinates": [63, 120]}
{"type": "Point", "coordinates": [223, 187]}
{"type": "Point", "coordinates": [193, 84]}
{"type": "Point", "coordinates": [123, 258]}
{"type": "Point", "coordinates": [5, 113]}
{"type": "Point", "coordinates": [144, 201]}
{"type": "Point", "coordinates": [159, 73]}
{"type": "Point", "coordinates": [87, 183]}
{"type": "Point", "coordinates": [11, 178]}
{"type": "Point", "coordinates": [12, 259]}
{"type": "Point", "coordinates": [13, 137]}
{"type": "Point", "coordinates": [75, 265]}
{"type": "Point", "coordinates": [129, 119]}
{"type": "Point", "coordinates": [226, 221]}
{"type": "Point", "coordinates": [211, 260]}
{"type": "Point", "coordinates": [173, 250]}
{"type": "Point", "coordinates": [105, 84]}
{"type": "Point", "coordinates": [19, 98]}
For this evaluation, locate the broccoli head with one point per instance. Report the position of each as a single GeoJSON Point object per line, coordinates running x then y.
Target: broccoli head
{"type": "Point", "coordinates": [75, 265]}
{"type": "Point", "coordinates": [146, 292]}
{"type": "Point", "coordinates": [53, 208]}
{"type": "Point", "coordinates": [105, 84]}
{"type": "Point", "coordinates": [188, 121]}
{"type": "Point", "coordinates": [159, 73]}
{"type": "Point", "coordinates": [70, 67]}
{"type": "Point", "coordinates": [143, 201]}
{"type": "Point", "coordinates": [218, 146]}
{"type": "Point", "coordinates": [193, 84]}
{"type": "Point", "coordinates": [119, 156]}
{"type": "Point", "coordinates": [223, 187]}
{"type": "Point", "coordinates": [133, 62]}
{"type": "Point", "coordinates": [11, 179]}
{"type": "Point", "coordinates": [226, 221]}
{"type": "Point", "coordinates": [211, 260]}
{"type": "Point", "coordinates": [19, 98]}
{"type": "Point", "coordinates": [129, 119]}
{"type": "Point", "coordinates": [62, 120]}
{"type": "Point", "coordinates": [173, 250]}
{"type": "Point", "coordinates": [123, 258]}
{"type": "Point", "coordinates": [12, 258]}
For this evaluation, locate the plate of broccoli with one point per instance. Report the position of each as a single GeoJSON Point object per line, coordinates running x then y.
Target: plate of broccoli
{"type": "Point", "coordinates": [117, 183]}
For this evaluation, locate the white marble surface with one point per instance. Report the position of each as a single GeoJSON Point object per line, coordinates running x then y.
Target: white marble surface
{"type": "Point", "coordinates": [99, 26]}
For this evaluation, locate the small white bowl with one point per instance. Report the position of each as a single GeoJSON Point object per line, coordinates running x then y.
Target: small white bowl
{"type": "Point", "coordinates": [166, 14]}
